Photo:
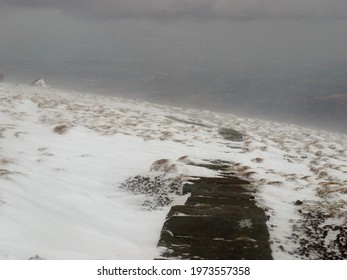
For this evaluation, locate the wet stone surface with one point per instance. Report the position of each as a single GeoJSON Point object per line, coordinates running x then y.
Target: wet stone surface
{"type": "Point", "coordinates": [220, 220]}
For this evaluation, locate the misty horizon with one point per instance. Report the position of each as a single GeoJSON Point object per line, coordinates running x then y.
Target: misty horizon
{"type": "Point", "coordinates": [278, 60]}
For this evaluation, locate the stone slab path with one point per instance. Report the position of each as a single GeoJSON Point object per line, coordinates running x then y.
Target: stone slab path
{"type": "Point", "coordinates": [219, 221]}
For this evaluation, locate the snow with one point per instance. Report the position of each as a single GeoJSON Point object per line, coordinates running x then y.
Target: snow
{"type": "Point", "coordinates": [65, 155]}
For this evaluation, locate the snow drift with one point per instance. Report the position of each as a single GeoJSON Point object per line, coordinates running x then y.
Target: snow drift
{"type": "Point", "coordinates": [66, 160]}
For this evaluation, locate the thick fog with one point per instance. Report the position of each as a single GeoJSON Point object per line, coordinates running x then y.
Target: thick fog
{"type": "Point", "coordinates": [275, 59]}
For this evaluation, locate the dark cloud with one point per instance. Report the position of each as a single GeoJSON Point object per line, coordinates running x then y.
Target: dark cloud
{"type": "Point", "coordinates": [193, 9]}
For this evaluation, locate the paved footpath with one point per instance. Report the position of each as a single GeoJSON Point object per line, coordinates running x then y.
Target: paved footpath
{"type": "Point", "coordinates": [219, 221]}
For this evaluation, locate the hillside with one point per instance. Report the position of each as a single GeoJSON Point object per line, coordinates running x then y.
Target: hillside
{"type": "Point", "coordinates": [65, 158]}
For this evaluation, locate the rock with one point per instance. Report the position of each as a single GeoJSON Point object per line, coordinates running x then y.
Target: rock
{"type": "Point", "coordinates": [39, 82]}
{"type": "Point", "coordinates": [36, 258]}
{"type": "Point", "coordinates": [298, 202]}
{"type": "Point", "coordinates": [1, 77]}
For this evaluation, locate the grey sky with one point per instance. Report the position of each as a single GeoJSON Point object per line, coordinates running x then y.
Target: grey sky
{"type": "Point", "coordinates": [216, 30]}
{"type": "Point", "coordinates": [194, 9]}
{"type": "Point", "coordinates": [210, 48]}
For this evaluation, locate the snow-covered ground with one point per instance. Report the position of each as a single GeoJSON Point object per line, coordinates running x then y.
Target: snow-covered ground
{"type": "Point", "coordinates": [65, 158]}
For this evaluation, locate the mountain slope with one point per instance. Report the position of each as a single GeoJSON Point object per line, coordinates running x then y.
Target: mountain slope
{"type": "Point", "coordinates": [65, 156]}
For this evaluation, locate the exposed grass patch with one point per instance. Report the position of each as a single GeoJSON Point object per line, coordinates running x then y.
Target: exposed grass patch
{"type": "Point", "coordinates": [61, 129]}
{"type": "Point", "coordinates": [322, 233]}
{"type": "Point", "coordinates": [159, 190]}
{"type": "Point", "coordinates": [164, 165]}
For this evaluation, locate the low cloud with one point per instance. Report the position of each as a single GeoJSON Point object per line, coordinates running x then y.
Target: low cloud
{"type": "Point", "coordinates": [192, 9]}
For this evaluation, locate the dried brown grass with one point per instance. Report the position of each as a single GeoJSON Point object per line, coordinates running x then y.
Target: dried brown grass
{"type": "Point", "coordinates": [61, 129]}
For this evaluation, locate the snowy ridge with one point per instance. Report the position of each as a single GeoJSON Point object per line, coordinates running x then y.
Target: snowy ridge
{"type": "Point", "coordinates": [64, 157]}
